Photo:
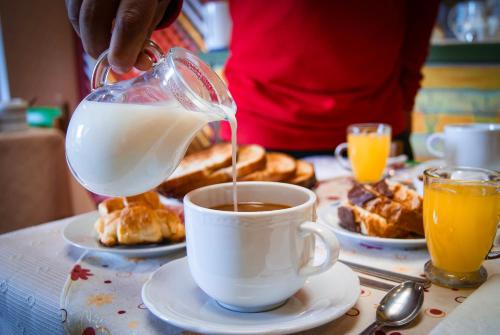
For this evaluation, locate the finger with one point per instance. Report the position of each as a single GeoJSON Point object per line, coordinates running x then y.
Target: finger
{"type": "Point", "coordinates": [73, 8]}
{"type": "Point", "coordinates": [143, 62]}
{"type": "Point", "coordinates": [96, 18]}
{"type": "Point", "coordinates": [132, 24]}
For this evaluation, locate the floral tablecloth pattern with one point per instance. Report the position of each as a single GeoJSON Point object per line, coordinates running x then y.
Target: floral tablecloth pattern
{"type": "Point", "coordinates": [102, 294]}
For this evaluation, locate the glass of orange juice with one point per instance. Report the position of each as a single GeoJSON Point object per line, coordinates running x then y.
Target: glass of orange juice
{"type": "Point", "coordinates": [368, 146]}
{"type": "Point", "coordinates": [461, 214]}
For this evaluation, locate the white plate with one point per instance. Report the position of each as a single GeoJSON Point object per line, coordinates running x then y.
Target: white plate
{"type": "Point", "coordinates": [419, 170]}
{"type": "Point", "coordinates": [80, 232]}
{"type": "Point", "coordinates": [172, 295]}
{"type": "Point", "coordinates": [327, 213]}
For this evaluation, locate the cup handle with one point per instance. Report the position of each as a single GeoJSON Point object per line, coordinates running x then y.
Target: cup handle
{"type": "Point", "coordinates": [338, 154]}
{"type": "Point", "coordinates": [329, 240]}
{"type": "Point", "coordinates": [494, 253]}
{"type": "Point", "coordinates": [102, 66]}
{"type": "Point", "coordinates": [431, 140]}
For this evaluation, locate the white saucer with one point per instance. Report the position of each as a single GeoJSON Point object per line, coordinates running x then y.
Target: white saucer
{"type": "Point", "coordinates": [172, 295]}
{"type": "Point", "coordinates": [327, 213]}
{"type": "Point", "coordinates": [80, 232]}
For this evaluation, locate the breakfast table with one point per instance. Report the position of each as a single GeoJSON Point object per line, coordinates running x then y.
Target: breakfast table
{"type": "Point", "coordinates": [50, 287]}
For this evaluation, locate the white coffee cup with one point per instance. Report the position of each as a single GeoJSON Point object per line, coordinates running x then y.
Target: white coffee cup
{"type": "Point", "coordinates": [473, 145]}
{"type": "Point", "coordinates": [217, 25]}
{"type": "Point", "coordinates": [254, 261]}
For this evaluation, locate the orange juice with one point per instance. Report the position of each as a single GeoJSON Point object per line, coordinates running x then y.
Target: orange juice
{"type": "Point", "coordinates": [460, 221]}
{"type": "Point", "coordinates": [368, 153]}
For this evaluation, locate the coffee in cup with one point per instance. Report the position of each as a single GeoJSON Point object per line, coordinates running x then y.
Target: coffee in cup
{"type": "Point", "coordinates": [253, 261]}
{"type": "Point", "coordinates": [254, 206]}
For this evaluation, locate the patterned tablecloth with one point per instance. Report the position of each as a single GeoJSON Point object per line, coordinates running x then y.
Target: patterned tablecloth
{"type": "Point", "coordinates": [47, 287]}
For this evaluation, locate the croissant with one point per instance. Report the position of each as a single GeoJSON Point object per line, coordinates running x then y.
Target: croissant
{"type": "Point", "coordinates": [138, 219]}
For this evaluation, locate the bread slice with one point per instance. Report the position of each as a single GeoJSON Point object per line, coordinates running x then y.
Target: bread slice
{"type": "Point", "coordinates": [250, 158]}
{"type": "Point", "coordinates": [279, 167]}
{"type": "Point", "coordinates": [357, 219]}
{"type": "Point", "coordinates": [304, 175]}
{"type": "Point", "coordinates": [197, 166]}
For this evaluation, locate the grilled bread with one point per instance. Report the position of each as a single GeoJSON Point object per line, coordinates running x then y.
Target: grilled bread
{"type": "Point", "coordinates": [304, 175]}
{"type": "Point", "coordinates": [213, 166]}
{"type": "Point", "coordinates": [357, 219]}
{"type": "Point", "coordinates": [399, 206]}
{"type": "Point", "coordinates": [279, 167]}
{"type": "Point", "coordinates": [408, 199]}
{"type": "Point", "coordinates": [250, 158]}
{"type": "Point", "coordinates": [199, 165]}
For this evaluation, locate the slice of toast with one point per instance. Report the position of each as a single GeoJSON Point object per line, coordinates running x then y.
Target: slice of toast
{"type": "Point", "coordinates": [304, 175]}
{"type": "Point", "coordinates": [279, 167]}
{"type": "Point", "coordinates": [197, 166]}
{"type": "Point", "coordinates": [250, 158]}
{"type": "Point", "coordinates": [357, 219]}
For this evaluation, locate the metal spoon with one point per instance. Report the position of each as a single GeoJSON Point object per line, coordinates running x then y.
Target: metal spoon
{"type": "Point", "coordinates": [398, 307]}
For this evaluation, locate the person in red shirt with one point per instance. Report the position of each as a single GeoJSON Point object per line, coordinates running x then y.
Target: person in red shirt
{"type": "Point", "coordinates": [300, 71]}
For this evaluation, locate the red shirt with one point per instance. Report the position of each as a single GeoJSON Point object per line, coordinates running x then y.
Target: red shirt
{"type": "Point", "coordinates": [301, 71]}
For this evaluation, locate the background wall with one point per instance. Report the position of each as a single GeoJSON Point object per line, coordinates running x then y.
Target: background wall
{"type": "Point", "coordinates": [40, 51]}
{"type": "Point", "coordinates": [41, 58]}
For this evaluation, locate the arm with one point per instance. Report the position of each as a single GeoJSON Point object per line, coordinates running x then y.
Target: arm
{"type": "Point", "coordinates": [121, 25]}
{"type": "Point", "coordinates": [420, 17]}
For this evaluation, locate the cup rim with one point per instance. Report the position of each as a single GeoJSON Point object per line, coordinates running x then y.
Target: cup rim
{"type": "Point", "coordinates": [378, 127]}
{"type": "Point", "coordinates": [431, 173]}
{"type": "Point", "coordinates": [310, 201]}
{"type": "Point", "coordinates": [473, 127]}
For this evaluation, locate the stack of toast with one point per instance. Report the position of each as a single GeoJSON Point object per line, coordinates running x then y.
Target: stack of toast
{"type": "Point", "coordinates": [384, 209]}
{"type": "Point", "coordinates": [213, 166]}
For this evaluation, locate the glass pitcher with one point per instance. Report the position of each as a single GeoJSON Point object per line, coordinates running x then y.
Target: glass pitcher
{"type": "Point", "coordinates": [126, 138]}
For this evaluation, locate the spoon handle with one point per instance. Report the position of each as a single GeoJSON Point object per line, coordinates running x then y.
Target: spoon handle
{"type": "Point", "coordinates": [371, 329]}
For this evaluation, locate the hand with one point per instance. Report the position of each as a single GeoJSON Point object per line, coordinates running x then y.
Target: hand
{"type": "Point", "coordinates": [121, 25]}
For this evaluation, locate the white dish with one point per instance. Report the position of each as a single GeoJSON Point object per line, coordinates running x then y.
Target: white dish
{"type": "Point", "coordinates": [80, 232]}
{"type": "Point", "coordinates": [327, 213]}
{"type": "Point", "coordinates": [418, 170]}
{"type": "Point", "coordinates": [172, 295]}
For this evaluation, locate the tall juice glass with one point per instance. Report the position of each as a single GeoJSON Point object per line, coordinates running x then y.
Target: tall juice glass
{"type": "Point", "coordinates": [368, 146]}
{"type": "Point", "coordinates": [461, 214]}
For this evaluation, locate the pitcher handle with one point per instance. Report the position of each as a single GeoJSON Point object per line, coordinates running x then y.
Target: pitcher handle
{"type": "Point", "coordinates": [102, 66]}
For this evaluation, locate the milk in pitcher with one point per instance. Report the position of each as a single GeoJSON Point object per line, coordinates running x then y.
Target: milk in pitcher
{"type": "Point", "coordinates": [126, 149]}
